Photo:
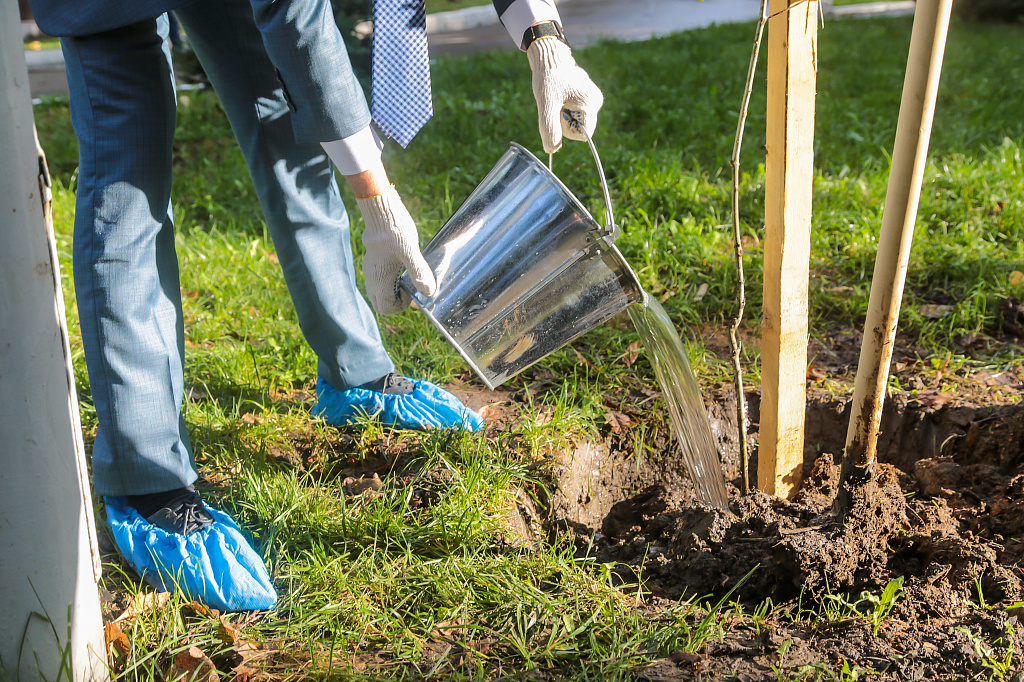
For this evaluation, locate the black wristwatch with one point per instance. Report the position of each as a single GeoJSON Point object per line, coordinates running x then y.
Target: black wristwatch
{"type": "Point", "coordinates": [543, 30]}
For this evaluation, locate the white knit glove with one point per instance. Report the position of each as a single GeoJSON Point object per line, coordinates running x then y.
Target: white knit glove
{"type": "Point", "coordinates": [558, 83]}
{"type": "Point", "coordinates": [392, 243]}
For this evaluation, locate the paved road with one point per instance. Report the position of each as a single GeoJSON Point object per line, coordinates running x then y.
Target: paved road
{"type": "Point", "coordinates": [587, 21]}
{"type": "Point", "coordinates": [46, 72]}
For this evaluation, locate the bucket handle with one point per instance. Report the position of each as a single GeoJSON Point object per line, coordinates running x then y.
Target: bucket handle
{"type": "Point", "coordinates": [572, 119]}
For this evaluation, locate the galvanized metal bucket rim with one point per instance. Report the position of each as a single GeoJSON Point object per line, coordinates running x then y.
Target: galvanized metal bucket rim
{"type": "Point", "coordinates": [612, 231]}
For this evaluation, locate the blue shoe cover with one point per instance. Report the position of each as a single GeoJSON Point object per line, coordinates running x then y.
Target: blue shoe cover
{"type": "Point", "coordinates": [427, 407]}
{"type": "Point", "coordinates": [214, 565]}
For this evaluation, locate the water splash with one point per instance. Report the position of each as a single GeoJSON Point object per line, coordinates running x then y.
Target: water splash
{"type": "Point", "coordinates": [682, 395]}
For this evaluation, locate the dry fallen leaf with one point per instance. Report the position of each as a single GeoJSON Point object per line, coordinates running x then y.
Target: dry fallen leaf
{"type": "Point", "coordinates": [358, 486]}
{"type": "Point", "coordinates": [617, 421]}
{"type": "Point", "coordinates": [145, 602]}
{"type": "Point", "coordinates": [972, 340]}
{"type": "Point", "coordinates": [994, 378]}
{"type": "Point", "coordinates": [245, 654]}
{"type": "Point", "coordinates": [932, 399]}
{"type": "Point", "coordinates": [544, 416]}
{"type": "Point", "coordinates": [583, 361]}
{"type": "Point", "coordinates": [118, 646]}
{"type": "Point", "coordinates": [227, 631]}
{"type": "Point", "coordinates": [192, 665]}
{"type": "Point", "coordinates": [1016, 278]}
{"type": "Point", "coordinates": [490, 412]}
{"type": "Point", "coordinates": [934, 311]}
{"type": "Point", "coordinates": [201, 609]}
{"type": "Point", "coordinates": [449, 628]}
{"type": "Point", "coordinates": [632, 353]}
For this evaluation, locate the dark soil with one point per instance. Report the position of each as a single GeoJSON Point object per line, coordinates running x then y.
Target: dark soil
{"type": "Point", "coordinates": [944, 514]}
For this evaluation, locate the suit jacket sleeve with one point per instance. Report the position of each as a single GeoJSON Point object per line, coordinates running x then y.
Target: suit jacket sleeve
{"type": "Point", "coordinates": [305, 45]}
{"type": "Point", "coordinates": [63, 18]}
{"type": "Point", "coordinates": [519, 15]}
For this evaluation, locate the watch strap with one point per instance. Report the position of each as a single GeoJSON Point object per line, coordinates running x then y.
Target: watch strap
{"type": "Point", "coordinates": [545, 29]}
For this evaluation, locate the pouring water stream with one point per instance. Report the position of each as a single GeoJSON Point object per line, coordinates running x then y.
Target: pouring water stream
{"type": "Point", "coordinates": [682, 396]}
{"type": "Point", "coordinates": [679, 386]}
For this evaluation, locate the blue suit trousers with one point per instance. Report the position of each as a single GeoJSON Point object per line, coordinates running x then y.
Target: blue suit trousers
{"type": "Point", "coordinates": [123, 107]}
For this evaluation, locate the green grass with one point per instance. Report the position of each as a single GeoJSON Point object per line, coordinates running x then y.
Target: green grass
{"type": "Point", "coordinates": [427, 576]}
{"type": "Point", "coordinates": [449, 5]}
{"type": "Point", "coordinates": [43, 44]}
{"type": "Point", "coordinates": [852, 2]}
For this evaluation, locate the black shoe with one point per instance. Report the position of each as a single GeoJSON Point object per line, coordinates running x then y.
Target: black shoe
{"type": "Point", "coordinates": [391, 384]}
{"type": "Point", "coordinates": [182, 513]}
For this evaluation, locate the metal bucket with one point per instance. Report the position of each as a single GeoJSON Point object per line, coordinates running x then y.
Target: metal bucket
{"type": "Point", "coordinates": [523, 269]}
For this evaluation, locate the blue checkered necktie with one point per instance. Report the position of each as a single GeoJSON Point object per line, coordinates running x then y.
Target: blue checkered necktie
{"type": "Point", "coordinates": [401, 68]}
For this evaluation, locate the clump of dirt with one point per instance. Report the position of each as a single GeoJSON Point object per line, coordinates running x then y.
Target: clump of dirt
{"type": "Point", "coordinates": [763, 546]}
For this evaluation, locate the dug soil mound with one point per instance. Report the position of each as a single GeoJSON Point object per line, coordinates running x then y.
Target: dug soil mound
{"type": "Point", "coordinates": [941, 527]}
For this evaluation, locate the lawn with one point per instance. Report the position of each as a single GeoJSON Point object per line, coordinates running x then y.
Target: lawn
{"type": "Point", "coordinates": [43, 44]}
{"type": "Point", "coordinates": [449, 5]}
{"type": "Point", "coordinates": [436, 570]}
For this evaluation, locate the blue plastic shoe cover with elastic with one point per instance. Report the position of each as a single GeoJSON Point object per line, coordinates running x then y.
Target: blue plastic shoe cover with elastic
{"type": "Point", "coordinates": [215, 565]}
{"type": "Point", "coordinates": [427, 407]}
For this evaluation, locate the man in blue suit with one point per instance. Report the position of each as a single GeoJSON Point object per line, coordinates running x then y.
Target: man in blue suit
{"type": "Point", "coordinates": [283, 76]}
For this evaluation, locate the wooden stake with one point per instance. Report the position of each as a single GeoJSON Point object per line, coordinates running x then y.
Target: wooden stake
{"type": "Point", "coordinates": [789, 172]}
{"type": "Point", "coordinates": [909, 157]}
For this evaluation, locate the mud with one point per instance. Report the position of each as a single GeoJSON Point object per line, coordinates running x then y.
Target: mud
{"type": "Point", "coordinates": [945, 513]}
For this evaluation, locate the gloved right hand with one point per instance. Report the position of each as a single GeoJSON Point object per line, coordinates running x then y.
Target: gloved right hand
{"type": "Point", "coordinates": [560, 84]}
{"type": "Point", "coordinates": [392, 242]}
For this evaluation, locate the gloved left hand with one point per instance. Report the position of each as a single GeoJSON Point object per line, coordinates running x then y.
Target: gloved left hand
{"type": "Point", "coordinates": [559, 83]}
{"type": "Point", "coordinates": [392, 242]}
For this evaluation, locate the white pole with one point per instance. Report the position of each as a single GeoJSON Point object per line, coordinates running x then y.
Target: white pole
{"type": "Point", "coordinates": [50, 622]}
{"type": "Point", "coordinates": [910, 154]}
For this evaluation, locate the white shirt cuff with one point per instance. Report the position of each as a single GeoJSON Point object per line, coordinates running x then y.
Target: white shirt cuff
{"type": "Point", "coordinates": [522, 14]}
{"type": "Point", "coordinates": [356, 153]}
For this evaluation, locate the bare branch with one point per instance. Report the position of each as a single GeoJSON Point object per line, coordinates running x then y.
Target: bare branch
{"type": "Point", "coordinates": [734, 341]}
